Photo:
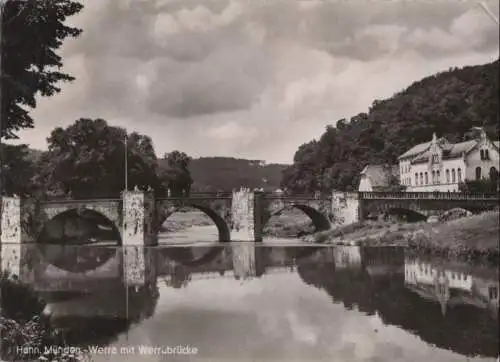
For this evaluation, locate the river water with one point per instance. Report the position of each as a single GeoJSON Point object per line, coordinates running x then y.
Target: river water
{"type": "Point", "coordinates": [246, 302]}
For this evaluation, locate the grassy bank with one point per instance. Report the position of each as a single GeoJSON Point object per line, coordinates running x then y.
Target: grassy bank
{"type": "Point", "coordinates": [290, 224]}
{"type": "Point", "coordinates": [186, 219]}
{"type": "Point", "coordinates": [468, 237]}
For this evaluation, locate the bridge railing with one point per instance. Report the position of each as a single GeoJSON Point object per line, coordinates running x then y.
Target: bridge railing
{"type": "Point", "coordinates": [199, 195]}
{"type": "Point", "coordinates": [62, 200]}
{"type": "Point", "coordinates": [293, 196]}
{"type": "Point", "coordinates": [428, 196]}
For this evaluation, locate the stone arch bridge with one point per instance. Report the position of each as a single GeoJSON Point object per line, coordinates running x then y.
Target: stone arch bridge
{"type": "Point", "coordinates": [239, 216]}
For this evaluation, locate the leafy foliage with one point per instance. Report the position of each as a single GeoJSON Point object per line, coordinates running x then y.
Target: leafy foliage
{"type": "Point", "coordinates": [32, 31]}
{"type": "Point", "coordinates": [18, 169]}
{"type": "Point", "coordinates": [174, 173]}
{"type": "Point", "coordinates": [87, 159]}
{"type": "Point", "coordinates": [481, 186]}
{"type": "Point", "coordinates": [448, 103]}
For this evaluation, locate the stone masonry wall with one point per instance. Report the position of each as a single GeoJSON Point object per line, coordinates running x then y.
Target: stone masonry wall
{"type": "Point", "coordinates": [10, 229]}
{"type": "Point", "coordinates": [133, 237]}
{"type": "Point", "coordinates": [243, 215]}
{"type": "Point", "coordinates": [346, 207]}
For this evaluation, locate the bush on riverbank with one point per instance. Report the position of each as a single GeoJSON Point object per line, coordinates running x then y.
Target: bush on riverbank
{"type": "Point", "coordinates": [468, 237]}
{"type": "Point", "coordinates": [24, 333]}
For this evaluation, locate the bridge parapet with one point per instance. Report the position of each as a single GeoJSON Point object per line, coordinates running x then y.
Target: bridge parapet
{"type": "Point", "coordinates": [427, 196]}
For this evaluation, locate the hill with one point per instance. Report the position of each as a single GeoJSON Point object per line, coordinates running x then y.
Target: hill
{"type": "Point", "coordinates": [226, 173]}
{"type": "Point", "coordinates": [221, 173]}
{"type": "Point", "coordinates": [448, 103]}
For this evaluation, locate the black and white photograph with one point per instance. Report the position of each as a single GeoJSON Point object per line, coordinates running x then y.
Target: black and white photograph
{"type": "Point", "coordinates": [249, 180]}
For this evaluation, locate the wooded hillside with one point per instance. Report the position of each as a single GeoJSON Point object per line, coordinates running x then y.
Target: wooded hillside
{"type": "Point", "coordinates": [448, 103]}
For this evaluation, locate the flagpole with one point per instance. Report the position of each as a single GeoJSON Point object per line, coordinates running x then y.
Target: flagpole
{"type": "Point", "coordinates": [126, 164]}
{"type": "Point", "coordinates": [123, 246]}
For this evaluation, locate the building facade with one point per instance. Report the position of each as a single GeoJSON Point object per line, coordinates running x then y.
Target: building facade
{"type": "Point", "coordinates": [376, 178]}
{"type": "Point", "coordinates": [442, 166]}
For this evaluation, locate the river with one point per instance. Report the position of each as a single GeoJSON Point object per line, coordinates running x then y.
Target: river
{"type": "Point", "coordinates": [274, 303]}
{"type": "Point", "coordinates": [209, 235]}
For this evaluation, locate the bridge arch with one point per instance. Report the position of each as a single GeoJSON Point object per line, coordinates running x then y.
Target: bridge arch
{"type": "Point", "coordinates": [221, 224]}
{"type": "Point", "coordinates": [64, 239]}
{"type": "Point", "coordinates": [408, 213]}
{"type": "Point", "coordinates": [320, 221]}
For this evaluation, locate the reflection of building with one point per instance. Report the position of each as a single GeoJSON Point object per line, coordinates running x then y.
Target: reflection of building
{"type": "Point", "coordinates": [450, 287]}
{"type": "Point", "coordinates": [347, 256]}
{"type": "Point", "coordinates": [383, 261]}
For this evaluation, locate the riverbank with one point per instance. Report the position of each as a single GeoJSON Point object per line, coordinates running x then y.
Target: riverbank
{"type": "Point", "coordinates": [291, 224]}
{"type": "Point", "coordinates": [25, 334]}
{"type": "Point", "coordinates": [468, 237]}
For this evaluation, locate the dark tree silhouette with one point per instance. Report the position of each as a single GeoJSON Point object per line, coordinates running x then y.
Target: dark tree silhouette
{"type": "Point", "coordinates": [31, 33]}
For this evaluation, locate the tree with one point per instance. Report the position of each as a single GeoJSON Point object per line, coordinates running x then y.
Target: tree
{"type": "Point", "coordinates": [18, 169]}
{"type": "Point", "coordinates": [87, 159]}
{"type": "Point", "coordinates": [31, 33]}
{"type": "Point", "coordinates": [175, 175]}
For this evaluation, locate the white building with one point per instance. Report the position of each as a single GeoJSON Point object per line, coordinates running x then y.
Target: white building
{"type": "Point", "coordinates": [439, 165]}
{"type": "Point", "coordinates": [347, 256]}
{"type": "Point", "coordinates": [376, 178]}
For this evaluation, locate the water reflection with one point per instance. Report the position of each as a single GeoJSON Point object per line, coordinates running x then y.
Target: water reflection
{"type": "Point", "coordinates": [245, 301]}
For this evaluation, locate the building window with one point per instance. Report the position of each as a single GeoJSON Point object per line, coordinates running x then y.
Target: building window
{"type": "Point", "coordinates": [421, 178]}
{"type": "Point", "coordinates": [493, 174]}
{"type": "Point", "coordinates": [453, 178]}
{"type": "Point", "coordinates": [416, 179]}
{"type": "Point", "coordinates": [433, 177]}
{"type": "Point", "coordinates": [447, 176]}
{"type": "Point", "coordinates": [426, 178]}
{"type": "Point", "coordinates": [459, 174]}
{"type": "Point", "coordinates": [493, 293]}
{"type": "Point", "coordinates": [438, 177]}
{"type": "Point", "coordinates": [485, 155]}
{"type": "Point", "coordinates": [478, 173]}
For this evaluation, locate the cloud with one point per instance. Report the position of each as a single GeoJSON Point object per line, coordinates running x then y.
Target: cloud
{"type": "Point", "coordinates": [225, 318]}
{"type": "Point", "coordinates": [253, 79]}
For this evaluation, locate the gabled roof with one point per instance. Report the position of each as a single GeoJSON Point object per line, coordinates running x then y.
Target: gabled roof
{"type": "Point", "coordinates": [415, 150]}
{"type": "Point", "coordinates": [450, 150]}
{"type": "Point", "coordinates": [462, 147]}
{"type": "Point", "coordinates": [380, 175]}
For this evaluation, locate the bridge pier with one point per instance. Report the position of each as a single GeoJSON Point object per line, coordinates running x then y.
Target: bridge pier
{"type": "Point", "coordinates": [347, 208]}
{"type": "Point", "coordinates": [137, 237]}
{"type": "Point", "coordinates": [244, 216]}
{"type": "Point", "coordinates": [11, 235]}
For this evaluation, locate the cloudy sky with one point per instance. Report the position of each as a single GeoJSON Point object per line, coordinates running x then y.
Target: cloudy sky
{"type": "Point", "coordinates": [254, 79]}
